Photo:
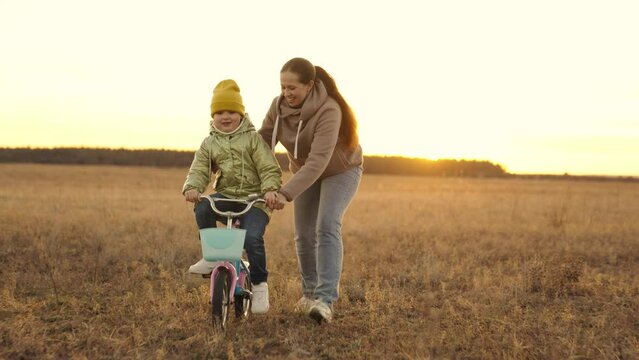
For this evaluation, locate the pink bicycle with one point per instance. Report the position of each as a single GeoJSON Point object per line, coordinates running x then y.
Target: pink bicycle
{"type": "Point", "coordinates": [225, 247]}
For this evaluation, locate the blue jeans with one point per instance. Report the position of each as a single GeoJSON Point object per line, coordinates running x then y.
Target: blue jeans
{"type": "Point", "coordinates": [254, 222]}
{"type": "Point", "coordinates": [318, 233]}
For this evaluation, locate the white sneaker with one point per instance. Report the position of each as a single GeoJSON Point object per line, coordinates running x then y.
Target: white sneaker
{"type": "Point", "coordinates": [202, 267]}
{"type": "Point", "coordinates": [260, 304]}
{"type": "Point", "coordinates": [321, 312]}
{"type": "Point", "coordinates": [303, 305]}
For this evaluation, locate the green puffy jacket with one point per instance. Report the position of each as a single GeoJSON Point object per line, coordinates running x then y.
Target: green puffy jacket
{"type": "Point", "coordinates": [243, 164]}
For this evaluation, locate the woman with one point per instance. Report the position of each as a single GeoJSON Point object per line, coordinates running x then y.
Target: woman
{"type": "Point", "coordinates": [319, 130]}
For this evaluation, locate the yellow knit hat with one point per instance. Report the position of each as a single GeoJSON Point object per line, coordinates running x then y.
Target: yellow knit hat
{"type": "Point", "coordinates": [226, 96]}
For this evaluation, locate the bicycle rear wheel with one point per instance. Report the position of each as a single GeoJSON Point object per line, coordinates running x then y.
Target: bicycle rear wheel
{"type": "Point", "coordinates": [220, 301]}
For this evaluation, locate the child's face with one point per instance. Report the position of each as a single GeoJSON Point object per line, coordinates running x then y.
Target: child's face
{"type": "Point", "coordinates": [226, 121]}
{"type": "Point", "coordinates": [292, 89]}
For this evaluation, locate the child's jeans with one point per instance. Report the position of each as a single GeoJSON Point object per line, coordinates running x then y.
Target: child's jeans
{"type": "Point", "coordinates": [254, 222]}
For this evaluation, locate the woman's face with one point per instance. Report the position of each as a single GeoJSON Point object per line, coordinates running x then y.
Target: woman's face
{"type": "Point", "coordinates": [293, 90]}
{"type": "Point", "coordinates": [226, 121]}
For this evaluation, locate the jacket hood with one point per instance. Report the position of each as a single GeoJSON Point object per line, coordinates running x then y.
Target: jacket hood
{"type": "Point", "coordinates": [314, 100]}
{"type": "Point", "coordinates": [245, 126]}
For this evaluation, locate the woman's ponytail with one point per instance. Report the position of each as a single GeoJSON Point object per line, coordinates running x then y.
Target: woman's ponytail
{"type": "Point", "coordinates": [348, 127]}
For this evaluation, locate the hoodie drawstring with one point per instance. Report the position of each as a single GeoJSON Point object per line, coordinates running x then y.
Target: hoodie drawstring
{"type": "Point", "coordinates": [299, 126]}
{"type": "Point", "coordinates": [274, 136]}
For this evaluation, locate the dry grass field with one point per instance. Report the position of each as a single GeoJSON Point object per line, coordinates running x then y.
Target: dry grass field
{"type": "Point", "coordinates": [93, 264]}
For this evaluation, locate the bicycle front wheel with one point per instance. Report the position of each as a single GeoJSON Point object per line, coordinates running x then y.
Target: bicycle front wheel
{"type": "Point", "coordinates": [243, 300]}
{"type": "Point", "coordinates": [220, 301]}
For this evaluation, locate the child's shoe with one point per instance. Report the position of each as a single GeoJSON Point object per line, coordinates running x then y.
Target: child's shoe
{"type": "Point", "coordinates": [260, 304]}
{"type": "Point", "coordinates": [202, 267]}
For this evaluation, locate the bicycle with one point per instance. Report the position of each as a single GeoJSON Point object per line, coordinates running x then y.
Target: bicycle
{"type": "Point", "coordinates": [225, 247]}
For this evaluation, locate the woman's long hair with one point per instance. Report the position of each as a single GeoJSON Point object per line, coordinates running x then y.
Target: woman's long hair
{"type": "Point", "coordinates": [307, 72]}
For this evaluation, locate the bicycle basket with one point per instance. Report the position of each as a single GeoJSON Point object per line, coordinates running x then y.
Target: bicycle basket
{"type": "Point", "coordinates": [222, 244]}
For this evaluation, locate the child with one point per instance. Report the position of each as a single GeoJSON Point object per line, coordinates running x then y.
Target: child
{"type": "Point", "coordinates": [243, 164]}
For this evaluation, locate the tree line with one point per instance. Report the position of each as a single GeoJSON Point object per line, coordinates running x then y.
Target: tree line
{"type": "Point", "coordinates": [174, 158]}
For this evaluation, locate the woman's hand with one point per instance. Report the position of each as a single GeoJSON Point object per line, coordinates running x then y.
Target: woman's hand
{"type": "Point", "coordinates": [275, 200]}
{"type": "Point", "coordinates": [192, 196]}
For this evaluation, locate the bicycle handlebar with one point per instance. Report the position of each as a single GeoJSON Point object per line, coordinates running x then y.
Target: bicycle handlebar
{"type": "Point", "coordinates": [252, 199]}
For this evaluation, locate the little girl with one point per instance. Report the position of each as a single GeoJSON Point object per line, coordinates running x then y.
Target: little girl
{"type": "Point", "coordinates": [243, 164]}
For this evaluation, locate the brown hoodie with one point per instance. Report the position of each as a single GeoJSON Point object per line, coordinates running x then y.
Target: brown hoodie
{"type": "Point", "coordinates": [310, 135]}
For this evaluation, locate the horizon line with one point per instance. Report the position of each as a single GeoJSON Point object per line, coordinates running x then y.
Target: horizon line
{"type": "Point", "coordinates": [194, 149]}
{"type": "Point", "coordinates": [28, 147]}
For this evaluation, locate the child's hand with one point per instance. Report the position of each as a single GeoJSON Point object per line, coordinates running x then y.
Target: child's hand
{"type": "Point", "coordinates": [271, 198]}
{"type": "Point", "coordinates": [274, 200]}
{"type": "Point", "coordinates": [192, 196]}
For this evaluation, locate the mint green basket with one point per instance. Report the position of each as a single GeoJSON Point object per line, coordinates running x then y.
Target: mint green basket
{"type": "Point", "coordinates": [222, 244]}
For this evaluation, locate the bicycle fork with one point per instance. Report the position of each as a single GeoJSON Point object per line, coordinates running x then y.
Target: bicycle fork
{"type": "Point", "coordinates": [233, 275]}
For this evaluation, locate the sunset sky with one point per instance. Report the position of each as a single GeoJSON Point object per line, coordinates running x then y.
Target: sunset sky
{"type": "Point", "coordinates": [536, 86]}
